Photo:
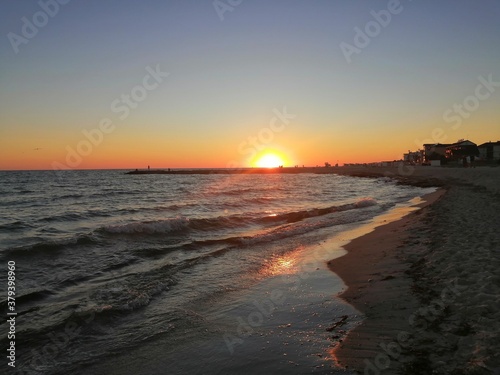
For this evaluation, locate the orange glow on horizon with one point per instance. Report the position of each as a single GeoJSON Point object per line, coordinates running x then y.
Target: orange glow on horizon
{"type": "Point", "coordinates": [269, 160]}
{"type": "Point", "coordinates": [130, 151]}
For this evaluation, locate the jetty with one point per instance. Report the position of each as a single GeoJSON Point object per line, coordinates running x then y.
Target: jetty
{"type": "Point", "coordinates": [287, 170]}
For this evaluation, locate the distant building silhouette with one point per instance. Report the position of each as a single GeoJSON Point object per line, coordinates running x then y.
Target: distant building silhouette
{"type": "Point", "coordinates": [461, 149]}
{"type": "Point", "coordinates": [489, 151]}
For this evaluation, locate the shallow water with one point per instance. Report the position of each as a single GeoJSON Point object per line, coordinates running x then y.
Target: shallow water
{"type": "Point", "coordinates": [109, 263]}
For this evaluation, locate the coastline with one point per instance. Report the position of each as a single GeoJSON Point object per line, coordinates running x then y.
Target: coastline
{"type": "Point", "coordinates": [404, 280]}
{"type": "Point", "coordinates": [415, 287]}
{"type": "Point", "coordinates": [423, 176]}
{"type": "Point", "coordinates": [377, 286]}
{"type": "Point", "coordinates": [295, 338]}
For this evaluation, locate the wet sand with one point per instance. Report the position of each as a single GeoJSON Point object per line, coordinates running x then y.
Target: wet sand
{"type": "Point", "coordinates": [377, 286]}
{"type": "Point", "coordinates": [428, 284]}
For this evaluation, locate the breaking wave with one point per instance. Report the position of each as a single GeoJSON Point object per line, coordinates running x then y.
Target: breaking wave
{"type": "Point", "coordinates": [181, 224]}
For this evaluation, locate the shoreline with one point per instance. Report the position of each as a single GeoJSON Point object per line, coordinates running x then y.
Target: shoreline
{"type": "Point", "coordinates": [397, 276]}
{"type": "Point", "coordinates": [380, 275]}
{"type": "Point", "coordinates": [297, 336]}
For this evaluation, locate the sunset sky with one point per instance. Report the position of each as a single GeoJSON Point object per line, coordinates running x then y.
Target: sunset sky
{"type": "Point", "coordinates": [213, 85]}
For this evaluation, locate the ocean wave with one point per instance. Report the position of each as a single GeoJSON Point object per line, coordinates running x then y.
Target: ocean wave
{"type": "Point", "coordinates": [15, 225]}
{"type": "Point", "coordinates": [365, 202]}
{"type": "Point", "coordinates": [113, 192]}
{"type": "Point", "coordinates": [181, 224]}
{"type": "Point", "coordinates": [346, 216]}
{"type": "Point", "coordinates": [107, 301]}
{"type": "Point", "coordinates": [119, 297]}
{"type": "Point", "coordinates": [68, 196]}
{"type": "Point", "coordinates": [258, 200]}
{"type": "Point", "coordinates": [33, 295]}
{"type": "Point", "coordinates": [149, 227]}
{"type": "Point", "coordinates": [243, 191]}
{"type": "Point", "coordinates": [292, 217]}
{"type": "Point", "coordinates": [70, 216]}
{"type": "Point", "coordinates": [24, 191]}
{"type": "Point", "coordinates": [172, 207]}
{"type": "Point", "coordinates": [51, 246]}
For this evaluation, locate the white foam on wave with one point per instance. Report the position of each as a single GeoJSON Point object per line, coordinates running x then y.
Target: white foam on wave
{"type": "Point", "coordinates": [180, 223]}
{"type": "Point", "coordinates": [348, 214]}
{"type": "Point", "coordinates": [365, 202]}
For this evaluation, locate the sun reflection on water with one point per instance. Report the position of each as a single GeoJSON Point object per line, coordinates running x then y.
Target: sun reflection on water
{"type": "Point", "coordinates": [285, 264]}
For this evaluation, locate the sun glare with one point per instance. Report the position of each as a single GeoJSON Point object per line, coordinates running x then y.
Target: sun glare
{"type": "Point", "coordinates": [269, 161]}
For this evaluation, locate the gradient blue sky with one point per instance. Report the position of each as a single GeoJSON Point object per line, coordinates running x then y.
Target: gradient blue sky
{"type": "Point", "coordinates": [226, 77]}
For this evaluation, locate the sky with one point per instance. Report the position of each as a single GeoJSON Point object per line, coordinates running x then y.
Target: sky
{"type": "Point", "coordinates": [191, 83]}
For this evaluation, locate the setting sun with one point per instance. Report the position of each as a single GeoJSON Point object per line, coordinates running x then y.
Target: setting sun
{"type": "Point", "coordinates": [269, 161]}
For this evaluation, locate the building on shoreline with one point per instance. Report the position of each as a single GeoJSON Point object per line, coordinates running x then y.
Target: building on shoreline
{"type": "Point", "coordinates": [435, 151]}
{"type": "Point", "coordinates": [489, 151]}
{"type": "Point", "coordinates": [455, 152]}
{"type": "Point", "coordinates": [414, 157]}
{"type": "Point", "coordinates": [443, 153]}
{"type": "Point", "coordinates": [462, 149]}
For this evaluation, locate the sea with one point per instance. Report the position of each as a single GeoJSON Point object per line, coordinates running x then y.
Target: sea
{"type": "Point", "coordinates": [180, 274]}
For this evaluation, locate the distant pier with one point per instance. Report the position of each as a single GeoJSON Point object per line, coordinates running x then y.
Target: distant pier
{"type": "Point", "coordinates": [287, 170]}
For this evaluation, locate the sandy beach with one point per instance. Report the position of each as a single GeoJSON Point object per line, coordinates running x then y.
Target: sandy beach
{"type": "Point", "coordinates": [428, 284]}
